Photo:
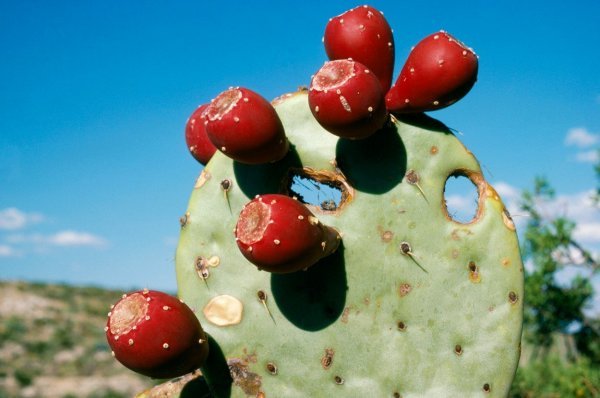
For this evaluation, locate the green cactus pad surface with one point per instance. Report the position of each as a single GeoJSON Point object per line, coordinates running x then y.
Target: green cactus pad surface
{"type": "Point", "coordinates": [412, 304]}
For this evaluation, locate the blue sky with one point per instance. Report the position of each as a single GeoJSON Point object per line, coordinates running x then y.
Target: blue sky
{"type": "Point", "coordinates": [94, 172]}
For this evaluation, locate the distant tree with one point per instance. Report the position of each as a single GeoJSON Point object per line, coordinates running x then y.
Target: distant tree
{"type": "Point", "coordinates": [552, 307]}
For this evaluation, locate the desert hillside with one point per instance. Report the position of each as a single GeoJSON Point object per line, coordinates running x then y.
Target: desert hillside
{"type": "Point", "coordinates": [52, 343]}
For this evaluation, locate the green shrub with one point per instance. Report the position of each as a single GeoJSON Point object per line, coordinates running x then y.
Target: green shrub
{"type": "Point", "coordinates": [552, 377]}
{"type": "Point", "coordinates": [24, 377]}
{"type": "Point", "coordinates": [12, 329]}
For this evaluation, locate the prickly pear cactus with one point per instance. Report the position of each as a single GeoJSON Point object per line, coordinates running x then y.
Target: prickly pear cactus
{"type": "Point", "coordinates": [412, 304]}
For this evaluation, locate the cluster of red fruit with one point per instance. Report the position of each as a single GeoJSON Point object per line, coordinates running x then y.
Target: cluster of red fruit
{"type": "Point", "coordinates": [352, 97]}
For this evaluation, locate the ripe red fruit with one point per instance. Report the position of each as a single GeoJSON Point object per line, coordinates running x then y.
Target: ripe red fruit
{"type": "Point", "coordinates": [279, 234]}
{"type": "Point", "coordinates": [245, 126]}
{"type": "Point", "coordinates": [196, 138]}
{"type": "Point", "coordinates": [156, 334]}
{"type": "Point", "coordinates": [439, 71]}
{"type": "Point", "coordinates": [346, 98]}
{"type": "Point", "coordinates": [364, 35]}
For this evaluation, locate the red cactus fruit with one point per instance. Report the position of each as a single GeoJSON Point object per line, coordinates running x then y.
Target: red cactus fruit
{"type": "Point", "coordinates": [364, 35]}
{"type": "Point", "coordinates": [280, 235]}
{"type": "Point", "coordinates": [245, 126]}
{"type": "Point", "coordinates": [439, 71]}
{"type": "Point", "coordinates": [156, 334]}
{"type": "Point", "coordinates": [196, 138]}
{"type": "Point", "coordinates": [346, 99]}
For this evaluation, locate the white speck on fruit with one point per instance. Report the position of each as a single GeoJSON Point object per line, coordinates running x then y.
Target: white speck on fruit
{"type": "Point", "coordinates": [117, 337]}
{"type": "Point", "coordinates": [345, 104]}
{"type": "Point", "coordinates": [236, 119]}
{"type": "Point", "coordinates": [389, 43]}
{"type": "Point", "coordinates": [106, 328]}
{"type": "Point", "coordinates": [406, 100]}
{"type": "Point", "coordinates": [277, 241]}
{"type": "Point", "coordinates": [147, 317]}
{"type": "Point", "coordinates": [464, 52]}
{"type": "Point", "coordinates": [342, 20]}
{"type": "Point", "coordinates": [166, 307]}
{"type": "Point", "coordinates": [300, 217]}
{"type": "Point", "coordinates": [166, 346]}
{"type": "Point", "coordinates": [223, 149]}
{"type": "Point", "coordinates": [370, 109]}
{"type": "Point", "coordinates": [436, 103]}
{"type": "Point", "coordinates": [130, 342]}
{"type": "Point", "coordinates": [317, 109]}
{"type": "Point", "coordinates": [436, 37]}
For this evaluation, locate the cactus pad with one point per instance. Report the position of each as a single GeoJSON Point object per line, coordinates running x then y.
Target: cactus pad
{"type": "Point", "coordinates": [412, 304]}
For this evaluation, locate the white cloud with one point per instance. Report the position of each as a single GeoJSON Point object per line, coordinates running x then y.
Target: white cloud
{"type": "Point", "coordinates": [74, 238]}
{"type": "Point", "coordinates": [63, 238]}
{"type": "Point", "coordinates": [581, 137]}
{"type": "Point", "coordinates": [588, 156]}
{"type": "Point", "coordinates": [461, 208]}
{"type": "Point", "coordinates": [13, 219]}
{"type": "Point", "coordinates": [460, 203]}
{"type": "Point", "coordinates": [587, 232]}
{"type": "Point", "coordinates": [7, 251]}
{"type": "Point", "coordinates": [507, 191]}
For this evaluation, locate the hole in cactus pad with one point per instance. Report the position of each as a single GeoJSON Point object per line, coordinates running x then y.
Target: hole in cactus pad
{"type": "Point", "coordinates": [324, 190]}
{"type": "Point", "coordinates": [461, 197]}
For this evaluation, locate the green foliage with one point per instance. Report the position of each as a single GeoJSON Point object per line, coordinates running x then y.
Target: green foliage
{"type": "Point", "coordinates": [551, 307]}
{"type": "Point", "coordinates": [12, 328]}
{"type": "Point", "coordinates": [587, 341]}
{"type": "Point", "coordinates": [553, 377]}
{"type": "Point", "coordinates": [24, 377]}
